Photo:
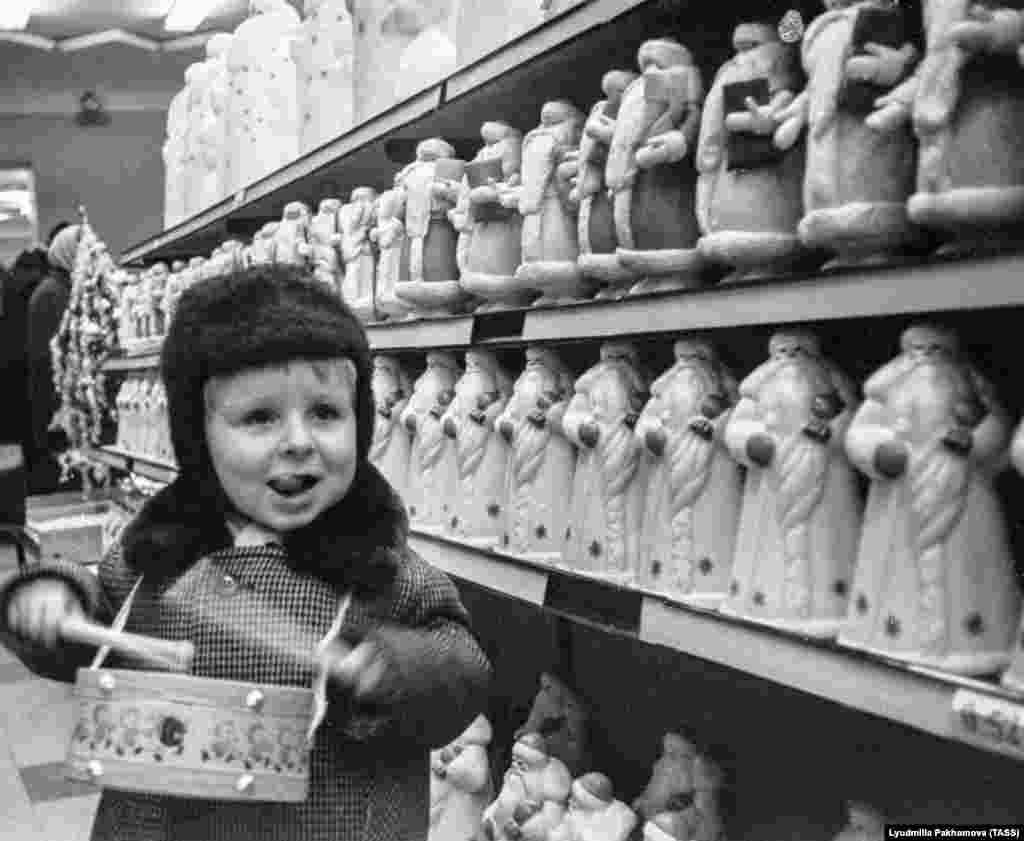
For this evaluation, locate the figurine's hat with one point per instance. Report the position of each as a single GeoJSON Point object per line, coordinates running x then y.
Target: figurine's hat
{"type": "Point", "coordinates": [593, 790]}
{"type": "Point", "coordinates": [692, 346]}
{"type": "Point", "coordinates": [796, 338]}
{"type": "Point", "coordinates": [294, 209]}
{"type": "Point", "coordinates": [479, 732]}
{"type": "Point", "coordinates": [929, 336]}
{"type": "Point", "coordinates": [531, 746]}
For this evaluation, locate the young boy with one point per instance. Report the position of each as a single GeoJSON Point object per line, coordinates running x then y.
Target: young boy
{"type": "Point", "coordinates": [276, 512]}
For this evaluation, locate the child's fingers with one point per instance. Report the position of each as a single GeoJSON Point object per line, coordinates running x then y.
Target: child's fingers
{"type": "Point", "coordinates": [361, 670]}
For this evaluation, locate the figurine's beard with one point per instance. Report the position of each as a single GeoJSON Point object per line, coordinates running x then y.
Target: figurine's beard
{"type": "Point", "coordinates": [689, 466]}
{"type": "Point", "coordinates": [471, 445]}
{"type": "Point", "coordinates": [618, 457]}
{"type": "Point", "coordinates": [383, 429]}
{"type": "Point", "coordinates": [430, 442]}
{"type": "Point", "coordinates": [531, 445]}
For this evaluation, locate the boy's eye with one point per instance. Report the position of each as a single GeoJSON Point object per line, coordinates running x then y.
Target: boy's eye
{"type": "Point", "coordinates": [257, 417]}
{"type": "Point", "coordinates": [325, 411]}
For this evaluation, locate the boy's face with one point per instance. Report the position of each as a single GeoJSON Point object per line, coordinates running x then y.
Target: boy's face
{"type": "Point", "coordinates": [283, 439]}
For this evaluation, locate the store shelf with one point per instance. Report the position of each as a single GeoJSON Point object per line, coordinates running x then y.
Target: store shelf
{"type": "Point", "coordinates": [918, 698]}
{"type": "Point", "coordinates": [141, 362]}
{"type": "Point", "coordinates": [425, 333]}
{"type": "Point", "coordinates": [119, 459]}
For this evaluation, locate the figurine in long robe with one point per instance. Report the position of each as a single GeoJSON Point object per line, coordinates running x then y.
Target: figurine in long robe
{"type": "Point", "coordinates": [460, 784]}
{"type": "Point", "coordinates": [389, 451]}
{"type": "Point", "coordinates": [355, 220]}
{"type": "Point", "coordinates": [324, 239]}
{"type": "Point", "coordinates": [389, 237]}
{"type": "Point", "coordinates": [594, 814]}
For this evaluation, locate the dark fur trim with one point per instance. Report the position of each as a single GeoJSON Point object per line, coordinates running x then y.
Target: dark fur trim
{"type": "Point", "coordinates": [352, 544]}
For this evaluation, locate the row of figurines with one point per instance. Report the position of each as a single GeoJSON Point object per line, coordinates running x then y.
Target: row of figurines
{"type": "Point", "coordinates": [745, 498]}
{"type": "Point", "coordinates": [282, 85]}
{"type": "Point", "coordinates": [550, 793]}
{"type": "Point", "coordinates": [142, 422]}
{"type": "Point", "coordinates": [846, 147]}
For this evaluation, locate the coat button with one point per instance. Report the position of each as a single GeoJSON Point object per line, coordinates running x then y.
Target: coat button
{"type": "Point", "coordinates": [228, 585]}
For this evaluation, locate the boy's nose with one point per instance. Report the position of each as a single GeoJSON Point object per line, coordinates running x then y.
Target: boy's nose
{"type": "Point", "coordinates": [297, 437]}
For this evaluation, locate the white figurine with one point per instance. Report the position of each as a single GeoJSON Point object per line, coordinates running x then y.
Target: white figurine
{"type": "Point", "coordinates": [460, 784]}
{"type": "Point", "coordinates": [291, 239]}
{"type": "Point", "coordinates": [389, 237]}
{"type": "Point", "coordinates": [174, 155]}
{"type": "Point", "coordinates": [355, 220]}
{"type": "Point", "coordinates": [212, 133]}
{"type": "Point", "coordinates": [323, 55]}
{"type": "Point", "coordinates": [594, 814]}
{"type": "Point", "coordinates": [264, 245]}
{"type": "Point", "coordinates": [324, 240]}
{"type": "Point", "coordinates": [389, 451]}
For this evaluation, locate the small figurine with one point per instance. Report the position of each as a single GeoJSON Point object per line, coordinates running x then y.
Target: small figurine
{"type": "Point", "coordinates": [865, 823]}
{"type": "Point", "coordinates": [154, 312]}
{"type": "Point", "coordinates": [550, 243]}
{"type": "Point", "coordinates": [542, 461]}
{"type": "Point", "coordinates": [801, 512]}
{"type": "Point", "coordinates": [650, 171]}
{"type": "Point", "coordinates": [355, 220]}
{"type": "Point", "coordinates": [748, 190]}
{"type": "Point", "coordinates": [291, 239]}
{"type": "Point", "coordinates": [533, 796]}
{"type": "Point", "coordinates": [608, 487]}
{"type": "Point", "coordinates": [857, 179]}
{"type": "Point", "coordinates": [173, 151]}
{"type": "Point", "coordinates": [127, 329]}
{"type": "Point", "coordinates": [598, 259]}
{"type": "Point", "coordinates": [694, 489]}
{"type": "Point", "coordinates": [389, 451]}
{"type": "Point", "coordinates": [389, 238]}
{"type": "Point", "coordinates": [481, 394]}
{"type": "Point", "coordinates": [433, 469]}
{"type": "Point", "coordinates": [671, 786]}
{"type": "Point", "coordinates": [124, 401]}
{"type": "Point", "coordinates": [561, 715]}
{"type": "Point", "coordinates": [324, 239]}
{"type": "Point", "coordinates": [493, 245]}
{"type": "Point", "coordinates": [172, 291]}
{"type": "Point", "coordinates": [935, 580]}
{"type": "Point", "coordinates": [594, 814]}
{"type": "Point", "coordinates": [212, 131]}
{"type": "Point", "coordinates": [460, 784]}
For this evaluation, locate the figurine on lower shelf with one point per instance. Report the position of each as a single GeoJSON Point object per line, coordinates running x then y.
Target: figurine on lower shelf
{"type": "Point", "coordinates": [542, 459]}
{"type": "Point", "coordinates": [533, 796]}
{"type": "Point", "coordinates": [460, 785]}
{"type": "Point", "coordinates": [935, 582]}
{"type": "Point", "coordinates": [389, 451]}
{"type": "Point", "coordinates": [594, 814]}
{"type": "Point", "coordinates": [801, 512]}
{"type": "Point", "coordinates": [562, 716]}
{"type": "Point", "coordinates": [694, 488]}
{"type": "Point", "coordinates": [433, 469]}
{"type": "Point", "coordinates": [650, 171]}
{"type": "Point", "coordinates": [478, 505]}
{"type": "Point", "coordinates": [608, 489]}
{"type": "Point", "coordinates": [670, 788]}
{"type": "Point", "coordinates": [355, 220]}
{"type": "Point", "coordinates": [389, 238]}
{"type": "Point", "coordinates": [864, 823]}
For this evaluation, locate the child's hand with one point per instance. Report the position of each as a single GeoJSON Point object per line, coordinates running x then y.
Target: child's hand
{"type": "Point", "coordinates": [357, 671]}
{"type": "Point", "coordinates": [36, 609]}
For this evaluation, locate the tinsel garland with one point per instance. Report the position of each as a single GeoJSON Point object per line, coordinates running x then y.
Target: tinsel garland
{"type": "Point", "coordinates": [86, 338]}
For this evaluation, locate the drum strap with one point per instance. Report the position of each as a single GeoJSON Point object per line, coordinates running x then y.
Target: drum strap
{"type": "Point", "coordinates": [117, 624]}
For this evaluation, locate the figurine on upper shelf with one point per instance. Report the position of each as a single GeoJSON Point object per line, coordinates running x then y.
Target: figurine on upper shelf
{"type": "Point", "coordinates": [550, 244]}
{"type": "Point", "coordinates": [173, 151]}
{"type": "Point", "coordinates": [694, 488]}
{"type": "Point", "coordinates": [594, 814]}
{"type": "Point", "coordinates": [562, 716]}
{"type": "Point", "coordinates": [389, 451]}
{"type": "Point", "coordinates": [355, 221]}
{"type": "Point", "coordinates": [801, 512]}
{"type": "Point", "coordinates": [493, 245]}
{"type": "Point", "coordinates": [857, 178]}
{"type": "Point", "coordinates": [935, 580]}
{"type": "Point", "coordinates": [389, 238]}
{"type": "Point", "coordinates": [608, 489]}
{"type": "Point", "coordinates": [291, 239]}
{"type": "Point", "coordinates": [650, 171]}
{"type": "Point", "coordinates": [212, 130]}
{"type": "Point", "coordinates": [748, 190]}
{"type": "Point", "coordinates": [323, 57]}
{"type": "Point", "coordinates": [460, 784]}
{"type": "Point", "coordinates": [1013, 677]}
{"type": "Point", "coordinates": [481, 394]}
{"type": "Point", "coordinates": [542, 461]}
{"type": "Point", "coordinates": [966, 105]}
{"type": "Point", "coordinates": [586, 168]}
{"type": "Point", "coordinates": [430, 184]}
{"type": "Point", "coordinates": [433, 469]}
{"type": "Point", "coordinates": [533, 796]}
{"type": "Point", "coordinates": [324, 239]}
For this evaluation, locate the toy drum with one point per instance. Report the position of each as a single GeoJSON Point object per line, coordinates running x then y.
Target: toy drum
{"type": "Point", "coordinates": [176, 734]}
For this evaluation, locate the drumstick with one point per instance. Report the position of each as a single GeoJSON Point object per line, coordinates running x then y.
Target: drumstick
{"type": "Point", "coordinates": [176, 656]}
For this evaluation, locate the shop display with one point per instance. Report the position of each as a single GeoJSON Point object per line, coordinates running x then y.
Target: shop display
{"type": "Point", "coordinates": [935, 580]}
{"type": "Point", "coordinates": [561, 715]}
{"type": "Point", "coordinates": [355, 220]}
{"type": "Point", "coordinates": [533, 795]}
{"type": "Point", "coordinates": [694, 489]}
{"type": "Point", "coordinates": [492, 246]}
{"type": "Point", "coordinates": [460, 784]}
{"type": "Point", "coordinates": [594, 814]}
{"type": "Point", "coordinates": [542, 460]}
{"type": "Point", "coordinates": [291, 239]}
{"type": "Point", "coordinates": [389, 451]}
{"type": "Point", "coordinates": [324, 241]}
{"type": "Point", "coordinates": [801, 512]}
{"type": "Point", "coordinates": [433, 287]}
{"type": "Point", "coordinates": [479, 503]}
{"type": "Point", "coordinates": [608, 488]}
{"type": "Point", "coordinates": [389, 238]}
{"type": "Point", "coordinates": [650, 171]}
{"type": "Point", "coordinates": [857, 178]}
{"type": "Point", "coordinates": [748, 190]}
{"type": "Point", "coordinates": [323, 54]}
{"type": "Point", "coordinates": [433, 469]}
{"type": "Point", "coordinates": [598, 259]}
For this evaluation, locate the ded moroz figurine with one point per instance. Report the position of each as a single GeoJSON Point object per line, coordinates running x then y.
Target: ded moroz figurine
{"type": "Point", "coordinates": [355, 221]}
{"type": "Point", "coordinates": [291, 239]}
{"type": "Point", "coordinates": [389, 237]}
{"type": "Point", "coordinates": [857, 178]}
{"type": "Point", "coordinates": [433, 469]}
{"type": "Point", "coordinates": [594, 814]}
{"type": "Point", "coordinates": [550, 243]}
{"type": "Point", "coordinates": [460, 784]}
{"type": "Point", "coordinates": [562, 716]}
{"type": "Point", "coordinates": [324, 239]}
{"type": "Point", "coordinates": [264, 242]}
{"type": "Point", "coordinates": [493, 245]}
{"type": "Point", "coordinates": [650, 171]}
{"type": "Point", "coordinates": [935, 581]}
{"type": "Point", "coordinates": [608, 488]}
{"type": "Point", "coordinates": [748, 190]}
{"type": "Point", "coordinates": [597, 239]}
{"type": "Point", "coordinates": [670, 788]}
{"type": "Point", "coordinates": [481, 394]}
{"type": "Point", "coordinates": [389, 451]}
{"type": "Point", "coordinates": [542, 459]}
{"type": "Point", "coordinates": [801, 511]}
{"type": "Point", "coordinates": [694, 487]}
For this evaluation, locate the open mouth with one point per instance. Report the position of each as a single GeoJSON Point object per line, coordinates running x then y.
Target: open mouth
{"type": "Point", "coordinates": [293, 485]}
